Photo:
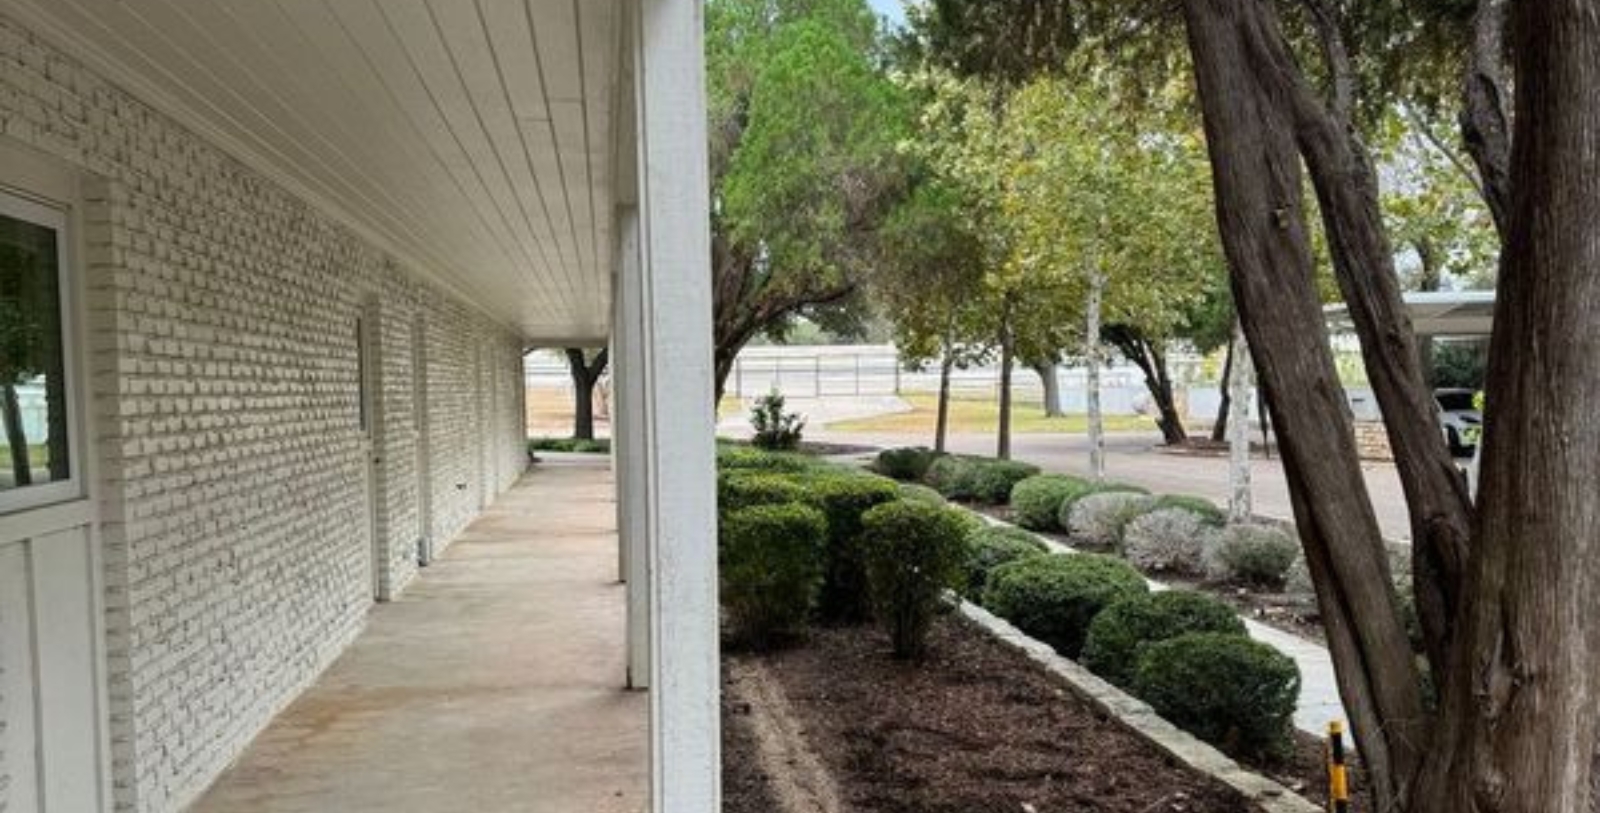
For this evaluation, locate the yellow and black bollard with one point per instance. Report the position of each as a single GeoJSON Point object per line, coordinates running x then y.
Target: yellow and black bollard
{"type": "Point", "coordinates": [1338, 779]}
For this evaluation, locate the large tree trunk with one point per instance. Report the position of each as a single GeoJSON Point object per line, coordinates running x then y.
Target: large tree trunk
{"type": "Point", "coordinates": [1050, 382]}
{"type": "Point", "coordinates": [1521, 724]}
{"type": "Point", "coordinates": [1157, 378]}
{"type": "Point", "coordinates": [585, 374]}
{"type": "Point", "coordinates": [1007, 361]}
{"type": "Point", "coordinates": [1257, 177]}
{"type": "Point", "coordinates": [1347, 193]}
{"type": "Point", "coordinates": [11, 413]}
{"type": "Point", "coordinates": [1219, 427]}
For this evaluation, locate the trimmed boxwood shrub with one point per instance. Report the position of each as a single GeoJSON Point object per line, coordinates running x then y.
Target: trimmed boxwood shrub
{"type": "Point", "coordinates": [1226, 689]}
{"type": "Point", "coordinates": [1168, 540]}
{"type": "Point", "coordinates": [916, 492]}
{"type": "Point", "coordinates": [1258, 555]}
{"type": "Point", "coordinates": [993, 546]}
{"type": "Point", "coordinates": [1118, 635]}
{"type": "Point", "coordinates": [1036, 501]}
{"type": "Point", "coordinates": [1054, 598]}
{"type": "Point", "coordinates": [994, 480]}
{"type": "Point", "coordinates": [582, 445]}
{"type": "Point", "coordinates": [914, 552]}
{"type": "Point", "coordinates": [744, 457]}
{"type": "Point", "coordinates": [769, 560]}
{"type": "Point", "coordinates": [843, 499]}
{"type": "Point", "coordinates": [1064, 513]}
{"type": "Point", "coordinates": [908, 464]}
{"type": "Point", "coordinates": [1204, 508]}
{"type": "Point", "coordinates": [743, 488]}
{"type": "Point", "coordinates": [954, 476]}
{"type": "Point", "coordinates": [1098, 520]}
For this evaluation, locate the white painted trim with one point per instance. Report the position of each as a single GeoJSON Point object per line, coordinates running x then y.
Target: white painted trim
{"type": "Point", "coordinates": [122, 76]}
{"type": "Point", "coordinates": [633, 482]}
{"type": "Point", "coordinates": [685, 683]}
{"type": "Point", "coordinates": [27, 524]}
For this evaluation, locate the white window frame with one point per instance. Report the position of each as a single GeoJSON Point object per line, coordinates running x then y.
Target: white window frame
{"type": "Point", "coordinates": [18, 205]}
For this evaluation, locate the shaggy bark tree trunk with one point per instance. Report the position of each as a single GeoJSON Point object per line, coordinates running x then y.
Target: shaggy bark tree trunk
{"type": "Point", "coordinates": [11, 413]}
{"type": "Point", "coordinates": [1347, 193]}
{"type": "Point", "coordinates": [1251, 136]}
{"type": "Point", "coordinates": [1520, 725]}
{"type": "Point", "coordinates": [1050, 382]}
{"type": "Point", "coordinates": [1219, 427]}
{"type": "Point", "coordinates": [585, 374]}
{"type": "Point", "coordinates": [1485, 100]}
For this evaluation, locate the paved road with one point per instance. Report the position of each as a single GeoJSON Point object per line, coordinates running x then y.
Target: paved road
{"type": "Point", "coordinates": [1137, 458]}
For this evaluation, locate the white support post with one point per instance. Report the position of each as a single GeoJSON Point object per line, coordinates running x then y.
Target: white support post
{"type": "Point", "coordinates": [628, 435]}
{"type": "Point", "coordinates": [679, 424]}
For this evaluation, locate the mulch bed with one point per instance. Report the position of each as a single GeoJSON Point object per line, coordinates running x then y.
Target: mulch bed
{"type": "Point", "coordinates": [976, 727]}
{"type": "Point", "coordinates": [746, 787]}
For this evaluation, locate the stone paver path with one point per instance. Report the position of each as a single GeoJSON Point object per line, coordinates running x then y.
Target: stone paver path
{"type": "Point", "coordinates": [493, 684]}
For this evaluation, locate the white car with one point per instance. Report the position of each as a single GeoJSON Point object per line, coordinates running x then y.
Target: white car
{"type": "Point", "coordinates": [1459, 419]}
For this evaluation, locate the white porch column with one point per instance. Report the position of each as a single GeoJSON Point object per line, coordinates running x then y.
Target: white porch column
{"type": "Point", "coordinates": [679, 439]}
{"type": "Point", "coordinates": [628, 440]}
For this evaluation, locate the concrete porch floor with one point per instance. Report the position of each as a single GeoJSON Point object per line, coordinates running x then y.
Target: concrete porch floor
{"type": "Point", "coordinates": [494, 683]}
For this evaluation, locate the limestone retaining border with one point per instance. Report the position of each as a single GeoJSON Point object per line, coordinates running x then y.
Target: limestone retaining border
{"type": "Point", "coordinates": [1268, 795]}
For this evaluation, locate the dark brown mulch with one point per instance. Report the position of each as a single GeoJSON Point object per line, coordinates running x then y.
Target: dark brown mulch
{"type": "Point", "coordinates": [975, 727]}
{"type": "Point", "coordinates": [746, 787]}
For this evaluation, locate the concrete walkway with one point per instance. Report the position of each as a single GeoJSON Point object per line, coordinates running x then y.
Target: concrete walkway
{"type": "Point", "coordinates": [492, 684]}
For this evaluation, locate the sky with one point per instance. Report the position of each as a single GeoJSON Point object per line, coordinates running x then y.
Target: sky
{"type": "Point", "coordinates": [891, 9]}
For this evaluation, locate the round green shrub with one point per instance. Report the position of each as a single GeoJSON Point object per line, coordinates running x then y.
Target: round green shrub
{"type": "Point", "coordinates": [1036, 501]}
{"type": "Point", "coordinates": [745, 457]}
{"type": "Point", "coordinates": [1118, 635]}
{"type": "Point", "coordinates": [916, 492]}
{"type": "Point", "coordinates": [1054, 598]}
{"type": "Point", "coordinates": [1226, 689]}
{"type": "Point", "coordinates": [1098, 520]}
{"type": "Point", "coordinates": [954, 477]}
{"type": "Point", "coordinates": [994, 479]}
{"type": "Point", "coordinates": [993, 546]}
{"type": "Point", "coordinates": [743, 488]}
{"type": "Point", "coordinates": [843, 499]}
{"type": "Point", "coordinates": [908, 464]}
{"type": "Point", "coordinates": [1258, 555]}
{"type": "Point", "coordinates": [913, 553]}
{"type": "Point", "coordinates": [1064, 513]}
{"type": "Point", "coordinates": [1204, 508]}
{"type": "Point", "coordinates": [770, 560]}
{"type": "Point", "coordinates": [1168, 540]}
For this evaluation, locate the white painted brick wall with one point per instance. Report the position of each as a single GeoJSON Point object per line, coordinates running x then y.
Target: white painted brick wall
{"type": "Point", "coordinates": [224, 401]}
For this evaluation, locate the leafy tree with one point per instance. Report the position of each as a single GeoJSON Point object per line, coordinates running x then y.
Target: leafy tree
{"type": "Point", "coordinates": [29, 327]}
{"type": "Point", "coordinates": [804, 125]}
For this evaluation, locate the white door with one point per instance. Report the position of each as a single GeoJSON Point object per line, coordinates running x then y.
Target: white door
{"type": "Point", "coordinates": [371, 423]}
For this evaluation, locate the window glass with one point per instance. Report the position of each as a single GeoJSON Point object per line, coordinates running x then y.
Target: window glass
{"type": "Point", "coordinates": [33, 397]}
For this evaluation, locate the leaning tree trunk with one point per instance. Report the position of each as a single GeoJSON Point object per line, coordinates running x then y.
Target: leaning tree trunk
{"type": "Point", "coordinates": [1258, 185]}
{"type": "Point", "coordinates": [1347, 193]}
{"type": "Point", "coordinates": [1050, 383]}
{"type": "Point", "coordinates": [11, 412]}
{"type": "Point", "coordinates": [1219, 427]}
{"type": "Point", "coordinates": [1520, 723]}
{"type": "Point", "coordinates": [1151, 361]}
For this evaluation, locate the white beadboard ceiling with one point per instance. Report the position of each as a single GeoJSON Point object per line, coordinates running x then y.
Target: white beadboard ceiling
{"type": "Point", "coordinates": [475, 139]}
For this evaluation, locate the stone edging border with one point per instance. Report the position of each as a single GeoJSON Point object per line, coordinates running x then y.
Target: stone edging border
{"type": "Point", "coordinates": [1138, 717]}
